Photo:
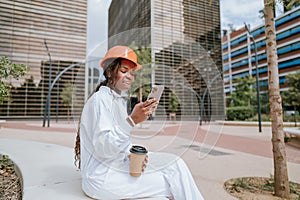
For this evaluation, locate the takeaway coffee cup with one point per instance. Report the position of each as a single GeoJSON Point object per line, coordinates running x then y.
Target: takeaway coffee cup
{"type": "Point", "coordinates": [137, 157]}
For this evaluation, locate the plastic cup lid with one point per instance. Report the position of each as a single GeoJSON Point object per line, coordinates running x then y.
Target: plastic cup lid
{"type": "Point", "coordinates": [138, 149]}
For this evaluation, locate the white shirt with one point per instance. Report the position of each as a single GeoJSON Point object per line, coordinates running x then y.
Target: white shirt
{"type": "Point", "coordinates": [104, 136]}
{"type": "Point", "coordinates": [104, 145]}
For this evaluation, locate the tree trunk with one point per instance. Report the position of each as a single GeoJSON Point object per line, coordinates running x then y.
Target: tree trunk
{"type": "Point", "coordinates": [282, 188]}
{"type": "Point", "coordinates": [140, 96]}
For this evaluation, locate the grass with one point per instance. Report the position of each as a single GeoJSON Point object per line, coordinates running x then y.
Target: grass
{"type": "Point", "coordinates": [258, 185]}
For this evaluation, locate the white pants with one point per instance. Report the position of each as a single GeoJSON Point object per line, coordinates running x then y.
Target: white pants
{"type": "Point", "coordinates": [166, 175]}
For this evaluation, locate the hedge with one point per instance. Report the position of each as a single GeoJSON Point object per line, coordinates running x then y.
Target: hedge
{"type": "Point", "coordinates": [239, 113]}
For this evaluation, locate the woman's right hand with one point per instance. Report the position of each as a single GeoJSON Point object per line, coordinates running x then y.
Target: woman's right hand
{"type": "Point", "coordinates": [142, 111]}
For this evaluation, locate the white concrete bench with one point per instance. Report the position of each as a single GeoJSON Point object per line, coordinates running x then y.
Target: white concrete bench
{"type": "Point", "coordinates": [48, 171]}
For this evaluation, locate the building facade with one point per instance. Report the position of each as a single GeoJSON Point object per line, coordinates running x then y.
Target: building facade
{"type": "Point", "coordinates": [47, 36]}
{"type": "Point", "coordinates": [185, 41]}
{"type": "Point", "coordinates": [239, 52]}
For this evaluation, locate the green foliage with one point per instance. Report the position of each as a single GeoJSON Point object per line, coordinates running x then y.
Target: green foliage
{"type": "Point", "coordinates": [288, 4]}
{"type": "Point", "coordinates": [67, 94]}
{"type": "Point", "coordinates": [264, 103]}
{"type": "Point", "coordinates": [243, 100]}
{"type": "Point", "coordinates": [3, 91]}
{"type": "Point", "coordinates": [264, 118]}
{"type": "Point", "coordinates": [239, 113]}
{"type": "Point", "coordinates": [244, 94]}
{"type": "Point", "coordinates": [144, 55]}
{"type": "Point", "coordinates": [269, 184]}
{"type": "Point", "coordinates": [6, 165]}
{"type": "Point", "coordinates": [173, 103]}
{"type": "Point", "coordinates": [291, 97]}
{"type": "Point", "coordinates": [142, 85]}
{"type": "Point", "coordinates": [9, 70]}
{"type": "Point", "coordinates": [294, 189]}
{"type": "Point", "coordinates": [261, 185]}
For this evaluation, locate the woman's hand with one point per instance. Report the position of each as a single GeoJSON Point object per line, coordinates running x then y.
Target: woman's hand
{"type": "Point", "coordinates": [142, 111]}
{"type": "Point", "coordinates": [144, 162]}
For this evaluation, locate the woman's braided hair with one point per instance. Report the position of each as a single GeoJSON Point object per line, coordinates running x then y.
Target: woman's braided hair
{"type": "Point", "coordinates": [110, 74]}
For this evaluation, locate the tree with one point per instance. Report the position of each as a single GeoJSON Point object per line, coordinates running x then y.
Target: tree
{"type": "Point", "coordinates": [9, 70]}
{"type": "Point", "coordinates": [291, 97]}
{"type": "Point", "coordinates": [67, 97]}
{"type": "Point", "coordinates": [173, 103]}
{"type": "Point", "coordinates": [244, 92]}
{"type": "Point", "coordinates": [143, 75]}
{"type": "Point", "coordinates": [281, 181]}
{"type": "Point", "coordinates": [242, 100]}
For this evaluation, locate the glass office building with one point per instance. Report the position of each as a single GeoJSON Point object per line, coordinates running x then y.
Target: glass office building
{"type": "Point", "coordinates": [239, 52]}
{"type": "Point", "coordinates": [49, 37]}
{"type": "Point", "coordinates": [185, 43]}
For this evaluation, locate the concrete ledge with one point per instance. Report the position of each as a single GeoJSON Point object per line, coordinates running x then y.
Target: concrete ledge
{"type": "Point", "coordinates": [47, 170]}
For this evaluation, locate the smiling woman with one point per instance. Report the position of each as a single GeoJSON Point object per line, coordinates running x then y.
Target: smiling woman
{"type": "Point", "coordinates": [103, 142]}
{"type": "Point", "coordinates": [125, 76]}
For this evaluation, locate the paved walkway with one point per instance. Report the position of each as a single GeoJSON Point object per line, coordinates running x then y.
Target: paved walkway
{"type": "Point", "coordinates": [214, 153]}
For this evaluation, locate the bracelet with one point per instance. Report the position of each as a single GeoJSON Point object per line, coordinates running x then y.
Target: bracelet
{"type": "Point", "coordinates": [131, 121]}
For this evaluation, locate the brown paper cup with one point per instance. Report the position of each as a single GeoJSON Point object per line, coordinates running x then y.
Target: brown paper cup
{"type": "Point", "coordinates": [136, 164]}
{"type": "Point", "coordinates": [137, 158]}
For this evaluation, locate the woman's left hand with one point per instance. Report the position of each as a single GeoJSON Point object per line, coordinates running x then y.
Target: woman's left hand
{"type": "Point", "coordinates": [145, 163]}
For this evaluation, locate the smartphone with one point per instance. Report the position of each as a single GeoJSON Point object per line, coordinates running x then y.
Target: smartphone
{"type": "Point", "coordinates": [156, 92]}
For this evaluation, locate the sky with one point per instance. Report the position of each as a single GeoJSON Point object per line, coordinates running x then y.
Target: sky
{"type": "Point", "coordinates": [234, 12]}
{"type": "Point", "coordinates": [97, 22]}
{"type": "Point", "coordinates": [237, 12]}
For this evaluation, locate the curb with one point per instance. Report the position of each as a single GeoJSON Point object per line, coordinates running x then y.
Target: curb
{"type": "Point", "coordinates": [245, 123]}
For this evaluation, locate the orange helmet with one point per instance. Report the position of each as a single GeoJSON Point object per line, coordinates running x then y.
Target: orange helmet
{"type": "Point", "coordinates": [121, 52]}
